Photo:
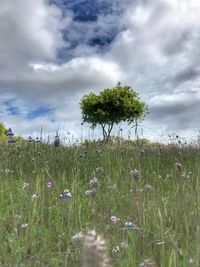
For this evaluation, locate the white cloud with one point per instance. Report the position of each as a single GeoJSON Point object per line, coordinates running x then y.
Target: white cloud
{"type": "Point", "coordinates": [30, 30]}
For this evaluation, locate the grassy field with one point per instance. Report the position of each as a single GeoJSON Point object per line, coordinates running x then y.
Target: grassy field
{"type": "Point", "coordinates": [146, 204]}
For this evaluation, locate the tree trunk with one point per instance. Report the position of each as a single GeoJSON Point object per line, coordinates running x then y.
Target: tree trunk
{"type": "Point", "coordinates": [106, 133]}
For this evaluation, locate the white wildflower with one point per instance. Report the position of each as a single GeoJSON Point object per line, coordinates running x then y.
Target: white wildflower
{"type": "Point", "coordinates": [24, 225]}
{"type": "Point", "coordinates": [34, 196]}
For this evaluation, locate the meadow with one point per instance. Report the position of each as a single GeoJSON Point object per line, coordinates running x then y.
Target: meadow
{"type": "Point", "coordinates": [145, 202]}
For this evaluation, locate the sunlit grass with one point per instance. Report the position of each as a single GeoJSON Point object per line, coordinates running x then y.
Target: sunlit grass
{"type": "Point", "coordinates": [162, 206]}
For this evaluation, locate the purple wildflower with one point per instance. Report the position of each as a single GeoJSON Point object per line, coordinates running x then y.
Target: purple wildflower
{"type": "Point", "coordinates": [114, 219]}
{"type": "Point", "coordinates": [49, 184]}
{"type": "Point", "coordinates": [68, 195]}
{"type": "Point", "coordinates": [65, 195]}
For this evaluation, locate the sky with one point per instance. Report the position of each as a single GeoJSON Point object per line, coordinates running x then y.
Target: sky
{"type": "Point", "coordinates": [53, 52]}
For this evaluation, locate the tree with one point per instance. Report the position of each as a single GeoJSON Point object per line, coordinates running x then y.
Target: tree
{"type": "Point", "coordinates": [111, 106]}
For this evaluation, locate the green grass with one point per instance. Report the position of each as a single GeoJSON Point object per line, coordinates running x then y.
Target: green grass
{"type": "Point", "coordinates": [167, 216]}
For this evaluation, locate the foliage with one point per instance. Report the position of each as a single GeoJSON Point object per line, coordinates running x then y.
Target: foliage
{"type": "Point", "coordinates": [2, 129]}
{"type": "Point", "coordinates": [3, 133]}
{"type": "Point", "coordinates": [112, 106]}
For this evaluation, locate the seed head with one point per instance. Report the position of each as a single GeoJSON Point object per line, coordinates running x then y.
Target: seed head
{"type": "Point", "coordinates": [94, 183]}
{"type": "Point", "coordinates": [99, 169]}
{"type": "Point", "coordinates": [95, 251]}
{"type": "Point", "coordinates": [135, 174]}
{"type": "Point", "coordinates": [91, 192]}
{"type": "Point", "coordinates": [56, 141]}
{"type": "Point", "coordinates": [178, 166]}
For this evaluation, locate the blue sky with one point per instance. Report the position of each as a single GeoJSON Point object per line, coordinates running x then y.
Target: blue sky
{"type": "Point", "coordinates": [54, 52]}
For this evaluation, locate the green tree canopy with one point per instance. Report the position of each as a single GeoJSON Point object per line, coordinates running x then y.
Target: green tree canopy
{"type": "Point", "coordinates": [111, 106]}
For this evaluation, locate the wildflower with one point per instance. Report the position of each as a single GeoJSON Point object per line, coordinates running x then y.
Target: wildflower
{"type": "Point", "coordinates": [114, 219]}
{"type": "Point", "coordinates": [30, 139]}
{"type": "Point", "coordinates": [34, 196]}
{"type": "Point", "coordinates": [11, 141]}
{"type": "Point", "coordinates": [68, 195]}
{"type": "Point", "coordinates": [135, 174]}
{"type": "Point", "coordinates": [94, 183]}
{"type": "Point", "coordinates": [91, 192]}
{"type": "Point", "coordinates": [9, 132]}
{"type": "Point", "coordinates": [95, 251]}
{"type": "Point", "coordinates": [8, 171]}
{"type": "Point", "coordinates": [116, 249]}
{"type": "Point", "coordinates": [191, 261]}
{"type": "Point", "coordinates": [24, 225]}
{"type": "Point", "coordinates": [37, 140]}
{"type": "Point", "coordinates": [49, 184]}
{"type": "Point", "coordinates": [65, 195]}
{"type": "Point", "coordinates": [185, 175]}
{"type": "Point", "coordinates": [129, 225]}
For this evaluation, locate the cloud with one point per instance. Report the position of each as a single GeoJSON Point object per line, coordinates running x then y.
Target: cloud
{"type": "Point", "coordinates": [50, 58]}
{"type": "Point", "coordinates": [158, 52]}
{"type": "Point", "coordinates": [188, 74]}
{"type": "Point", "coordinates": [30, 31]}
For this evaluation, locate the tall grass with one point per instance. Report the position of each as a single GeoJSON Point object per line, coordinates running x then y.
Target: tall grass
{"type": "Point", "coordinates": [156, 216]}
